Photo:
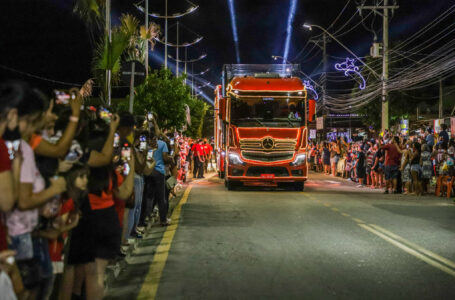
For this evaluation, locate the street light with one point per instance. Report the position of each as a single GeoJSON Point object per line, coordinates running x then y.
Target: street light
{"type": "Point", "coordinates": [310, 27]}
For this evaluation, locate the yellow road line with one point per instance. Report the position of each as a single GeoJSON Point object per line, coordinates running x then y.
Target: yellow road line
{"type": "Point", "coordinates": [415, 246]}
{"type": "Point", "coordinates": [327, 205]}
{"type": "Point", "coordinates": [152, 280]}
{"type": "Point", "coordinates": [409, 250]}
{"type": "Point", "coordinates": [346, 215]}
{"type": "Point", "coordinates": [335, 209]}
{"type": "Point", "coordinates": [358, 221]}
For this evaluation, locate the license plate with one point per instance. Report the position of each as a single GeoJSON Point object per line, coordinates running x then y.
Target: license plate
{"type": "Point", "coordinates": [268, 176]}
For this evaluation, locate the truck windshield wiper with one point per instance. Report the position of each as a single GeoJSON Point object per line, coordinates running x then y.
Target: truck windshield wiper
{"type": "Point", "coordinates": [289, 121]}
{"type": "Point", "coordinates": [255, 119]}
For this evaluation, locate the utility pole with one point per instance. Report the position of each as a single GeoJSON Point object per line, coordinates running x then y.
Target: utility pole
{"type": "Point", "coordinates": [177, 49]}
{"type": "Point", "coordinates": [385, 56]}
{"type": "Point", "coordinates": [322, 43]}
{"type": "Point", "coordinates": [385, 68]}
{"type": "Point", "coordinates": [440, 100]}
{"type": "Point", "coordinates": [146, 41]}
{"type": "Point", "coordinates": [109, 41]}
{"type": "Point", "coordinates": [165, 35]}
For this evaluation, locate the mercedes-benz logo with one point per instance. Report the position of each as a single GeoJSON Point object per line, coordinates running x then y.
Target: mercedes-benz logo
{"type": "Point", "coordinates": [268, 143]}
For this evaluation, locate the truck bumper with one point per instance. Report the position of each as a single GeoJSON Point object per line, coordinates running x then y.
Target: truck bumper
{"type": "Point", "coordinates": [254, 175]}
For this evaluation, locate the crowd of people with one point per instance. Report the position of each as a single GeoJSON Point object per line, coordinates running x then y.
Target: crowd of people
{"type": "Point", "coordinates": [78, 183]}
{"type": "Point", "coordinates": [415, 164]}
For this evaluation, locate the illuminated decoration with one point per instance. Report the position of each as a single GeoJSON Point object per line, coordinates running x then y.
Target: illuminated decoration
{"type": "Point", "coordinates": [349, 67]}
{"type": "Point", "coordinates": [189, 60]}
{"type": "Point", "coordinates": [234, 29]}
{"type": "Point", "coordinates": [291, 16]}
{"type": "Point", "coordinates": [197, 40]}
{"type": "Point", "coordinates": [192, 8]}
{"type": "Point", "coordinates": [308, 86]}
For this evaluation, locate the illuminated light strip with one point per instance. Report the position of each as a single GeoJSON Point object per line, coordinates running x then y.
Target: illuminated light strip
{"type": "Point", "coordinates": [349, 66]}
{"type": "Point", "coordinates": [308, 86]}
{"type": "Point", "coordinates": [291, 16]}
{"type": "Point", "coordinates": [234, 30]}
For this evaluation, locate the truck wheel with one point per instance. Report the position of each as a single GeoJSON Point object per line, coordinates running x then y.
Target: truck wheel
{"type": "Point", "coordinates": [299, 186]}
{"type": "Point", "coordinates": [231, 185]}
{"type": "Point", "coordinates": [221, 175]}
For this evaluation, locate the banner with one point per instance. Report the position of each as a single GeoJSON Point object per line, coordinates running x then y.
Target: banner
{"type": "Point", "coordinates": [320, 123]}
{"type": "Point", "coordinates": [452, 127]}
{"type": "Point", "coordinates": [313, 133]}
{"type": "Point", "coordinates": [404, 127]}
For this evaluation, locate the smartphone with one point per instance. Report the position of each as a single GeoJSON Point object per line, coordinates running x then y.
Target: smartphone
{"type": "Point", "coordinates": [172, 141]}
{"type": "Point", "coordinates": [13, 147]}
{"type": "Point", "coordinates": [150, 154]}
{"type": "Point", "coordinates": [143, 143]}
{"type": "Point", "coordinates": [126, 153]}
{"type": "Point", "coordinates": [72, 156]}
{"type": "Point", "coordinates": [116, 140]}
{"type": "Point", "coordinates": [149, 117]}
{"type": "Point", "coordinates": [63, 97]}
{"type": "Point", "coordinates": [105, 115]}
{"type": "Point", "coordinates": [126, 168]}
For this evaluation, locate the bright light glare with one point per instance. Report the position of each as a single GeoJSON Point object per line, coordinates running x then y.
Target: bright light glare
{"type": "Point", "coordinates": [234, 30]}
{"type": "Point", "coordinates": [307, 26]}
{"type": "Point", "coordinates": [291, 16]}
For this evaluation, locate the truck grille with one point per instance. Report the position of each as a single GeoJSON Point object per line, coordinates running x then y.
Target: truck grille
{"type": "Point", "coordinates": [253, 149]}
{"type": "Point", "coordinates": [258, 171]}
{"type": "Point", "coordinates": [267, 156]}
{"type": "Point", "coordinates": [256, 145]}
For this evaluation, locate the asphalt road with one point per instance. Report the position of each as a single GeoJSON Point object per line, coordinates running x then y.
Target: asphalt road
{"type": "Point", "coordinates": [332, 241]}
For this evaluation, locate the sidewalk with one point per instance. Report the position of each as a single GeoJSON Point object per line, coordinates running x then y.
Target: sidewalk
{"type": "Point", "coordinates": [124, 279]}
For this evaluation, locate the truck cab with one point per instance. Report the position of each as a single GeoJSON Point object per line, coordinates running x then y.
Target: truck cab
{"type": "Point", "coordinates": [265, 130]}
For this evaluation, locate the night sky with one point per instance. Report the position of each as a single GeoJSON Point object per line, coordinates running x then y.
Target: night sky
{"type": "Point", "coordinates": [46, 39]}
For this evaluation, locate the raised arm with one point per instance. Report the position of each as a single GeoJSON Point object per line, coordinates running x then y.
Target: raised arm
{"type": "Point", "coordinates": [125, 190]}
{"type": "Point", "coordinates": [60, 149]}
{"type": "Point", "coordinates": [103, 158]}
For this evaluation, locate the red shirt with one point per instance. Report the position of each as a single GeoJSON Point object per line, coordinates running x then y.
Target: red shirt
{"type": "Point", "coordinates": [106, 199]}
{"type": "Point", "coordinates": [208, 149]}
{"type": "Point", "coordinates": [392, 157]}
{"type": "Point", "coordinates": [5, 163]}
{"type": "Point", "coordinates": [56, 246]}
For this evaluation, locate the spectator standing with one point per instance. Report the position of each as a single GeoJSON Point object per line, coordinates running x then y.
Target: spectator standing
{"type": "Point", "coordinates": [158, 180]}
{"type": "Point", "coordinates": [392, 161]}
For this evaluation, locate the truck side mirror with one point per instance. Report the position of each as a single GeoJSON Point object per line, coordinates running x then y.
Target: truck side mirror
{"type": "Point", "coordinates": [222, 108]}
{"type": "Point", "coordinates": [311, 109]}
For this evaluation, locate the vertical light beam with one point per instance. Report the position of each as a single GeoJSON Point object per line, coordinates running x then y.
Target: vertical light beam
{"type": "Point", "coordinates": [234, 30]}
{"type": "Point", "coordinates": [291, 16]}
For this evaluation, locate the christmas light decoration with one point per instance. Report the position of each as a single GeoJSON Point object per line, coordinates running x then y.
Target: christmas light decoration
{"type": "Point", "coordinates": [308, 86]}
{"type": "Point", "coordinates": [349, 66]}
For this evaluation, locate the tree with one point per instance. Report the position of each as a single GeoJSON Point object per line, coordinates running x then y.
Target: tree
{"type": "Point", "coordinates": [198, 109]}
{"type": "Point", "coordinates": [166, 96]}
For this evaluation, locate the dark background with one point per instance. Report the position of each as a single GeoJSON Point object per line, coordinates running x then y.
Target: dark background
{"type": "Point", "coordinates": [44, 38]}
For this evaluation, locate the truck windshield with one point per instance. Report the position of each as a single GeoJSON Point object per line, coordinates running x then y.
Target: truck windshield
{"type": "Point", "coordinates": [267, 112]}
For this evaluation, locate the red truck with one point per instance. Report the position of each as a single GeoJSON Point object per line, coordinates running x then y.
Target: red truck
{"type": "Point", "coordinates": [260, 126]}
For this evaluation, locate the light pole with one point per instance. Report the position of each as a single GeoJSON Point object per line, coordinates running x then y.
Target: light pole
{"type": "Point", "coordinates": [166, 16]}
{"type": "Point", "coordinates": [310, 27]}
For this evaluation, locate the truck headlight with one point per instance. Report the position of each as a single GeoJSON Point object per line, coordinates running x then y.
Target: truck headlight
{"type": "Point", "coordinates": [234, 159]}
{"type": "Point", "coordinates": [299, 160]}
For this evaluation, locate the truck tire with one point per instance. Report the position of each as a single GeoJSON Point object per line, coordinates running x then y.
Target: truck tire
{"type": "Point", "coordinates": [232, 185]}
{"type": "Point", "coordinates": [221, 174]}
{"type": "Point", "coordinates": [299, 186]}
